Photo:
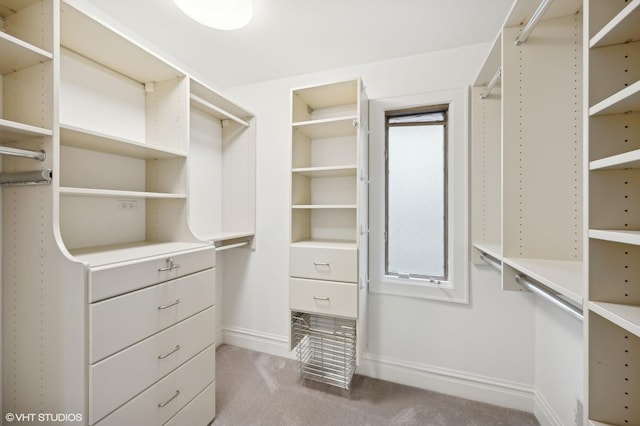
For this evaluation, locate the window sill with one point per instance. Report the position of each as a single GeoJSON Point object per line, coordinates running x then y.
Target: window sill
{"type": "Point", "coordinates": [418, 289]}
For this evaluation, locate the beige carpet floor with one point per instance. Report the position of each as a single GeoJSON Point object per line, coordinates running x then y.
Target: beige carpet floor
{"type": "Point", "coordinates": [258, 389]}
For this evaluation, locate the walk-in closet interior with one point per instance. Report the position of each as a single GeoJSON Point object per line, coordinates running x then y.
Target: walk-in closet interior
{"type": "Point", "coordinates": [169, 190]}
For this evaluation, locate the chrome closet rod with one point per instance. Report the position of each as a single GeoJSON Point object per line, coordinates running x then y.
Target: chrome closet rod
{"type": "Point", "coordinates": [551, 297]}
{"type": "Point", "coordinates": [537, 15]}
{"type": "Point", "coordinates": [491, 261]}
{"type": "Point", "coordinates": [219, 110]}
{"type": "Point", "coordinates": [494, 80]}
{"type": "Point", "coordinates": [230, 246]}
{"type": "Point", "coordinates": [17, 152]}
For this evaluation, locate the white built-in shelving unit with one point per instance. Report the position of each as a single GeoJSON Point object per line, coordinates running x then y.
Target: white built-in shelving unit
{"type": "Point", "coordinates": [612, 116]}
{"type": "Point", "coordinates": [111, 260]}
{"type": "Point", "coordinates": [527, 151]}
{"type": "Point", "coordinates": [329, 227]}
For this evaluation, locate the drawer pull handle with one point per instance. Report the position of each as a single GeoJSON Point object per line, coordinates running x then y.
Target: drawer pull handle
{"type": "Point", "coordinates": [160, 308]}
{"type": "Point", "coordinates": [176, 349]}
{"type": "Point", "coordinates": [320, 298]}
{"type": "Point", "coordinates": [170, 266]}
{"type": "Point", "coordinates": [162, 404]}
{"type": "Point", "coordinates": [321, 264]}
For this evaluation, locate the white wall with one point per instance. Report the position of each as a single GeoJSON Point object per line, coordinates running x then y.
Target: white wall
{"type": "Point", "coordinates": [484, 350]}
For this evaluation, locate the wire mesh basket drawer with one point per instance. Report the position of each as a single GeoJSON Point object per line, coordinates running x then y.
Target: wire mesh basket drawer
{"type": "Point", "coordinates": [326, 348]}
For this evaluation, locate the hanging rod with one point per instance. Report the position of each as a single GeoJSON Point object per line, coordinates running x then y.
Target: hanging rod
{"type": "Point", "coordinates": [537, 15]}
{"type": "Point", "coordinates": [17, 152]}
{"type": "Point", "coordinates": [533, 287]}
{"type": "Point", "coordinates": [489, 260]}
{"type": "Point", "coordinates": [494, 80]}
{"type": "Point", "coordinates": [230, 246]}
{"type": "Point", "coordinates": [219, 110]}
{"type": "Point", "coordinates": [26, 178]}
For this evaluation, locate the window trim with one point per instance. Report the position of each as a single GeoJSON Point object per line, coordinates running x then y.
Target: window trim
{"type": "Point", "coordinates": [456, 289]}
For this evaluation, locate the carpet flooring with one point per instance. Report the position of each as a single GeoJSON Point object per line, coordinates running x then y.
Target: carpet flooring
{"type": "Point", "coordinates": [254, 388]}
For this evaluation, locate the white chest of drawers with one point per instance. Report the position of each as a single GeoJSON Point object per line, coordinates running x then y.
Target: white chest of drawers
{"type": "Point", "coordinates": [151, 338]}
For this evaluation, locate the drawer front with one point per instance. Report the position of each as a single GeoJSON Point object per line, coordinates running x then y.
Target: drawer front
{"type": "Point", "coordinates": [198, 412]}
{"type": "Point", "coordinates": [112, 280]}
{"type": "Point", "coordinates": [324, 297]}
{"type": "Point", "coordinates": [121, 321]}
{"type": "Point", "coordinates": [331, 264]}
{"type": "Point", "coordinates": [138, 367]}
{"type": "Point", "coordinates": [161, 401]}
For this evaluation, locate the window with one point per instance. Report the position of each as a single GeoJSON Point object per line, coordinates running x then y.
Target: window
{"type": "Point", "coordinates": [418, 196]}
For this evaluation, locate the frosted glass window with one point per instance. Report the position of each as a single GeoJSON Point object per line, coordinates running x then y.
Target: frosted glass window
{"type": "Point", "coordinates": [416, 196]}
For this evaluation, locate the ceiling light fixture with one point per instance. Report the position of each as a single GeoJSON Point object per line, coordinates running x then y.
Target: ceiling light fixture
{"type": "Point", "coordinates": [219, 14]}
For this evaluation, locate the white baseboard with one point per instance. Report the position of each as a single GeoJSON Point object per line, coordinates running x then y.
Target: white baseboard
{"type": "Point", "coordinates": [452, 382]}
{"type": "Point", "coordinates": [447, 381]}
{"type": "Point", "coordinates": [257, 341]}
{"type": "Point", "coordinates": [544, 412]}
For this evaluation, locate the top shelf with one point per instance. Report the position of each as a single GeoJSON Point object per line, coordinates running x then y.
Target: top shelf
{"type": "Point", "coordinates": [522, 11]}
{"type": "Point", "coordinates": [329, 95]}
{"type": "Point", "coordinates": [624, 27]}
{"type": "Point", "coordinates": [8, 7]}
{"type": "Point", "coordinates": [81, 34]}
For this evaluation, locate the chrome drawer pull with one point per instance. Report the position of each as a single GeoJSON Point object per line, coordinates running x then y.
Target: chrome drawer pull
{"type": "Point", "coordinates": [170, 266]}
{"type": "Point", "coordinates": [177, 348]}
{"type": "Point", "coordinates": [160, 308]}
{"type": "Point", "coordinates": [321, 298]}
{"type": "Point", "coordinates": [162, 404]}
{"type": "Point", "coordinates": [321, 263]}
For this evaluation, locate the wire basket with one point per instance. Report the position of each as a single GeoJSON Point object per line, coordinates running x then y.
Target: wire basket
{"type": "Point", "coordinates": [326, 348]}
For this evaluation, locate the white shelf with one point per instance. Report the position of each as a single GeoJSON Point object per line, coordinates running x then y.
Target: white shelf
{"type": "Point", "coordinates": [217, 112]}
{"type": "Point", "coordinates": [624, 237]}
{"type": "Point", "coordinates": [18, 54]}
{"type": "Point", "coordinates": [626, 100]}
{"type": "Point", "coordinates": [96, 141]}
{"type": "Point", "coordinates": [596, 423]}
{"type": "Point", "coordinates": [522, 11]}
{"type": "Point", "coordinates": [624, 316]}
{"type": "Point", "coordinates": [491, 63]}
{"type": "Point", "coordinates": [105, 255]}
{"type": "Point", "coordinates": [108, 193]}
{"type": "Point", "coordinates": [620, 29]}
{"type": "Point", "coordinates": [326, 206]}
{"type": "Point", "coordinates": [622, 161]}
{"type": "Point", "coordinates": [493, 249]}
{"type": "Point", "coordinates": [564, 277]}
{"type": "Point", "coordinates": [328, 95]}
{"type": "Point", "coordinates": [82, 34]}
{"type": "Point", "coordinates": [11, 131]}
{"type": "Point", "coordinates": [334, 244]}
{"type": "Point", "coordinates": [327, 128]}
{"type": "Point", "coordinates": [320, 172]}
{"type": "Point", "coordinates": [8, 7]}
{"type": "Point", "coordinates": [222, 236]}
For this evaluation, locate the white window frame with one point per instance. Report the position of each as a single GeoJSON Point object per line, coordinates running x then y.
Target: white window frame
{"type": "Point", "coordinates": [456, 288]}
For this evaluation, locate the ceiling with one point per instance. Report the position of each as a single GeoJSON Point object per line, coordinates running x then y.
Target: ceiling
{"type": "Point", "coordinates": [291, 37]}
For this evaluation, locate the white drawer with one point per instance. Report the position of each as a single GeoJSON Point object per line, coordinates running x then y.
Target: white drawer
{"type": "Point", "coordinates": [115, 380]}
{"type": "Point", "coordinates": [161, 401]}
{"type": "Point", "coordinates": [321, 263]}
{"type": "Point", "coordinates": [118, 278]}
{"type": "Point", "coordinates": [324, 297]}
{"type": "Point", "coordinates": [121, 321]}
{"type": "Point", "coordinates": [198, 412]}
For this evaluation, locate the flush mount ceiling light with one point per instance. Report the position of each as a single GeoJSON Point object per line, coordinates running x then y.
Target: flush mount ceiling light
{"type": "Point", "coordinates": [219, 14]}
